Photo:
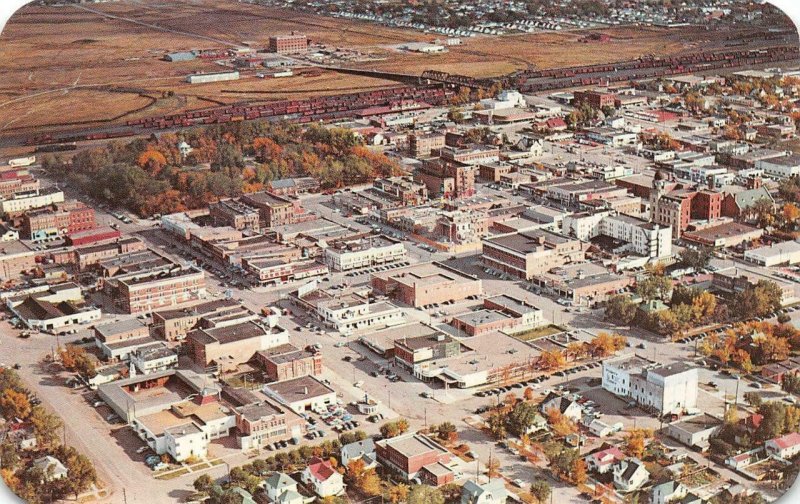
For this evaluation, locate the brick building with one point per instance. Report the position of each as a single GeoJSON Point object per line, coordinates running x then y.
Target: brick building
{"type": "Point", "coordinates": [415, 456]}
{"type": "Point", "coordinates": [424, 284]}
{"type": "Point", "coordinates": [594, 98]}
{"type": "Point", "coordinates": [262, 423]}
{"type": "Point", "coordinates": [140, 293]}
{"type": "Point", "coordinates": [60, 219]}
{"type": "Point", "coordinates": [288, 44]}
{"type": "Point", "coordinates": [276, 210]}
{"type": "Point", "coordinates": [445, 178]}
{"type": "Point", "coordinates": [424, 144]}
{"type": "Point", "coordinates": [286, 362]}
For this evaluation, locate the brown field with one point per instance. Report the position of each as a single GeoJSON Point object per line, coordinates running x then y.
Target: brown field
{"type": "Point", "coordinates": [59, 63]}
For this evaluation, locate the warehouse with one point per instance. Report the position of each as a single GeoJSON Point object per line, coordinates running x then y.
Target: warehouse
{"type": "Point", "coordinates": [202, 78]}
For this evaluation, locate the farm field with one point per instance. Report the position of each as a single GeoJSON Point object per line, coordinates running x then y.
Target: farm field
{"type": "Point", "coordinates": [105, 65]}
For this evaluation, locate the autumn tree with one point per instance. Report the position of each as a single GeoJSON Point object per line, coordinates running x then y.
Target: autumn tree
{"type": "Point", "coordinates": [14, 404]}
{"type": "Point", "coordinates": [541, 490]}
{"type": "Point", "coordinates": [635, 442]}
{"type": "Point", "coordinates": [447, 432]}
{"type": "Point", "coordinates": [655, 287]}
{"type": "Point", "coordinates": [397, 493]}
{"type": "Point", "coordinates": [551, 359]}
{"type": "Point", "coordinates": [363, 479]}
{"type": "Point", "coordinates": [424, 494]}
{"type": "Point", "coordinates": [605, 344]}
{"type": "Point", "coordinates": [46, 426]}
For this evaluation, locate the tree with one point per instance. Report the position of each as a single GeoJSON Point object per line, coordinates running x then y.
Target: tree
{"type": "Point", "coordinates": [791, 383]}
{"type": "Point", "coordinates": [424, 494]}
{"type": "Point", "coordinates": [635, 442]}
{"type": "Point", "coordinates": [605, 344]}
{"type": "Point", "coordinates": [81, 471]}
{"type": "Point", "coordinates": [772, 424]}
{"type": "Point", "coordinates": [695, 258]}
{"type": "Point", "coordinates": [655, 287]}
{"type": "Point", "coordinates": [447, 432]}
{"type": "Point", "coordinates": [621, 310]}
{"type": "Point", "coordinates": [203, 484]}
{"type": "Point", "coordinates": [521, 418]}
{"type": "Point", "coordinates": [541, 490]}
{"type": "Point", "coordinates": [753, 399]}
{"type": "Point", "coordinates": [579, 473]}
{"type": "Point", "coordinates": [14, 404]}
{"type": "Point", "coordinates": [363, 479]}
{"type": "Point", "coordinates": [46, 426]}
{"type": "Point", "coordinates": [398, 493]}
{"type": "Point", "coordinates": [758, 300]}
{"type": "Point", "coordinates": [395, 428]}
{"type": "Point", "coordinates": [551, 359]}
{"type": "Point", "coordinates": [703, 306]}
{"type": "Point", "coordinates": [497, 425]}
{"type": "Point", "coordinates": [493, 468]}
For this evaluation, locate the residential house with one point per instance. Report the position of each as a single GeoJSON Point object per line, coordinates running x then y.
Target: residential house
{"type": "Point", "coordinates": [280, 488]}
{"type": "Point", "coordinates": [565, 405]}
{"type": "Point", "coordinates": [784, 447]}
{"type": "Point", "coordinates": [602, 461]}
{"type": "Point", "coordinates": [668, 491]}
{"type": "Point", "coordinates": [363, 450]}
{"type": "Point", "coordinates": [630, 474]}
{"type": "Point", "coordinates": [51, 467]}
{"type": "Point", "coordinates": [321, 477]}
{"type": "Point", "coordinates": [492, 492]}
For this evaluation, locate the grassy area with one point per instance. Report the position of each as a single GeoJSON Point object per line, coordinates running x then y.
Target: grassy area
{"type": "Point", "coordinates": [173, 474]}
{"type": "Point", "coordinates": [539, 332]}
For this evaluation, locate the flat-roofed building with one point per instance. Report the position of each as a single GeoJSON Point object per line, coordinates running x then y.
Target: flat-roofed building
{"type": "Point", "coordinates": [146, 292]}
{"type": "Point", "coordinates": [501, 312]}
{"type": "Point", "coordinates": [18, 203]}
{"type": "Point", "coordinates": [695, 431]}
{"type": "Point", "coordinates": [265, 422]}
{"type": "Point", "coordinates": [529, 253]}
{"type": "Point", "coordinates": [305, 393]}
{"type": "Point", "coordinates": [659, 388]}
{"type": "Point", "coordinates": [425, 284]}
{"type": "Point", "coordinates": [234, 213]}
{"type": "Point", "coordinates": [154, 357]}
{"type": "Point", "coordinates": [16, 258]}
{"type": "Point", "coordinates": [363, 251]}
{"type": "Point", "coordinates": [288, 44]}
{"type": "Point", "coordinates": [286, 362]}
{"type": "Point", "coordinates": [117, 339]}
{"type": "Point", "coordinates": [173, 325]}
{"type": "Point", "coordinates": [53, 310]}
{"type": "Point", "coordinates": [775, 254]}
{"type": "Point", "coordinates": [413, 456]}
{"type": "Point", "coordinates": [276, 210]}
{"type": "Point", "coordinates": [228, 346]}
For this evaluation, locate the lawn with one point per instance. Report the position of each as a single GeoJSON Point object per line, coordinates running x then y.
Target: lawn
{"type": "Point", "coordinates": [539, 332]}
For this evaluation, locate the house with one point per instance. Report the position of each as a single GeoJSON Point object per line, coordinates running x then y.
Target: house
{"type": "Point", "coordinates": [603, 460]}
{"type": "Point", "coordinates": [364, 450]}
{"type": "Point", "coordinates": [246, 497]}
{"type": "Point", "coordinates": [51, 467]}
{"type": "Point", "coordinates": [668, 491]}
{"type": "Point", "coordinates": [321, 477]}
{"type": "Point", "coordinates": [493, 492]}
{"type": "Point", "coordinates": [784, 447]}
{"type": "Point", "coordinates": [566, 406]}
{"type": "Point", "coordinates": [538, 423]}
{"type": "Point", "coordinates": [630, 474]}
{"type": "Point", "coordinates": [280, 488]}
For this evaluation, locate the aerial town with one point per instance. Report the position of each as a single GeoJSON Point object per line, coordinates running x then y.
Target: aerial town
{"type": "Point", "coordinates": [400, 252]}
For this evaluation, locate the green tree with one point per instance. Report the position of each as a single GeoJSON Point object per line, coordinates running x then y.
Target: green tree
{"type": "Point", "coordinates": [521, 418]}
{"type": "Point", "coordinates": [203, 484]}
{"type": "Point", "coordinates": [753, 399]}
{"type": "Point", "coordinates": [424, 494]}
{"type": "Point", "coordinates": [655, 287]}
{"type": "Point", "coordinates": [541, 490]}
{"type": "Point", "coordinates": [621, 310]}
{"type": "Point", "coordinates": [695, 258]}
{"type": "Point", "coordinates": [46, 426]}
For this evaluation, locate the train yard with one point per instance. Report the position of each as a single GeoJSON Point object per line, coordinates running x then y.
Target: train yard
{"type": "Point", "coordinates": [436, 88]}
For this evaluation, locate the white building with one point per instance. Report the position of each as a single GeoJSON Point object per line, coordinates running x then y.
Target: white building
{"type": "Point", "coordinates": [321, 477]}
{"type": "Point", "coordinates": [23, 201]}
{"type": "Point", "coordinates": [281, 488]}
{"type": "Point", "coordinates": [781, 167]}
{"type": "Point", "coordinates": [491, 492]}
{"type": "Point", "coordinates": [658, 388]}
{"type": "Point", "coordinates": [153, 358]}
{"type": "Point", "coordinates": [52, 468]}
{"type": "Point", "coordinates": [630, 474]}
{"type": "Point", "coordinates": [352, 313]}
{"type": "Point", "coordinates": [363, 253]}
{"type": "Point", "coordinates": [787, 252]}
{"type": "Point", "coordinates": [784, 447]}
{"type": "Point", "coordinates": [203, 78]}
{"type": "Point", "coordinates": [643, 238]}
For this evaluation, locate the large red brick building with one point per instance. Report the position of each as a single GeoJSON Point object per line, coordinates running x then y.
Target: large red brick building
{"type": "Point", "coordinates": [60, 219]}
{"type": "Point", "coordinates": [415, 456]}
{"type": "Point", "coordinates": [288, 44]}
{"type": "Point", "coordinates": [593, 98]}
{"type": "Point", "coordinates": [286, 362]}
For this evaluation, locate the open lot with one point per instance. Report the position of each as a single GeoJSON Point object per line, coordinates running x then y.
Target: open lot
{"type": "Point", "coordinates": [102, 64]}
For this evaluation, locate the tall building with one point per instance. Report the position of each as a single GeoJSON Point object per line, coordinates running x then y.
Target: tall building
{"type": "Point", "coordinates": [659, 388]}
{"type": "Point", "coordinates": [288, 44]}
